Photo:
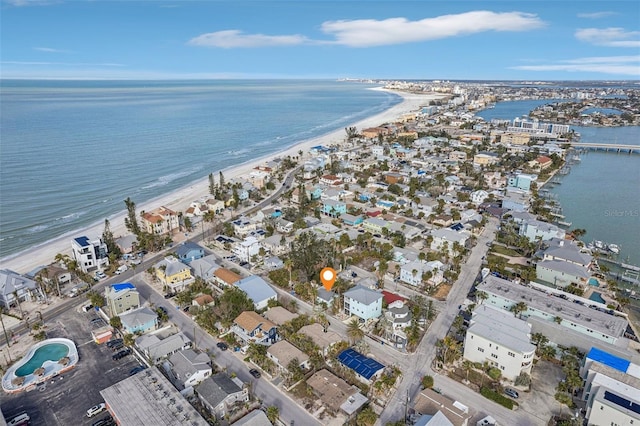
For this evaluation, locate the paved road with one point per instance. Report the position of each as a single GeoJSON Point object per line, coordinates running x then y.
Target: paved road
{"type": "Point", "coordinates": [422, 360]}
{"type": "Point", "coordinates": [262, 388]}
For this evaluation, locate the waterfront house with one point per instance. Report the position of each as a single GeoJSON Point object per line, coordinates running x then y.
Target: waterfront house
{"type": "Point", "coordinates": [121, 298]}
{"type": "Point", "coordinates": [561, 274]}
{"type": "Point", "coordinates": [220, 393]}
{"type": "Point", "coordinates": [15, 287]}
{"type": "Point", "coordinates": [242, 226]}
{"type": "Point", "coordinates": [250, 327]}
{"type": "Point", "coordinates": [283, 353]}
{"type": "Point", "coordinates": [536, 230]}
{"type": "Point", "coordinates": [173, 273]}
{"type": "Point", "coordinates": [90, 255]}
{"type": "Point", "coordinates": [516, 200]}
{"type": "Point", "coordinates": [258, 290]}
{"type": "Point", "coordinates": [216, 206]}
{"type": "Point", "coordinates": [189, 251]}
{"type": "Point", "coordinates": [363, 302]}
{"type": "Point", "coordinates": [190, 367]}
{"type": "Point", "coordinates": [139, 321]}
{"type": "Point", "coordinates": [159, 221]}
{"type": "Point", "coordinates": [567, 251]}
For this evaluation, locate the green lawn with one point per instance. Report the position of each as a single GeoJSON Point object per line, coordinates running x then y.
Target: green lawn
{"type": "Point", "coordinates": [504, 250]}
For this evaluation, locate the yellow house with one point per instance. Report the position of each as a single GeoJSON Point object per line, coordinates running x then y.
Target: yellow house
{"type": "Point", "coordinates": [172, 272]}
{"type": "Point", "coordinates": [515, 138]}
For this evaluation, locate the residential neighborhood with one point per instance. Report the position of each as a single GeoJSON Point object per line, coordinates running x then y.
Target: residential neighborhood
{"type": "Point", "coordinates": [460, 297]}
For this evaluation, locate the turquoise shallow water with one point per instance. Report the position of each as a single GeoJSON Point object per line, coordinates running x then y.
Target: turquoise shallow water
{"type": "Point", "coordinates": [49, 352]}
{"type": "Point", "coordinates": [72, 151]}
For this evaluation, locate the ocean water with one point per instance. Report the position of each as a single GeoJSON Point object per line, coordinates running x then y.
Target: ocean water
{"type": "Point", "coordinates": [601, 194]}
{"type": "Point", "coordinates": [72, 151]}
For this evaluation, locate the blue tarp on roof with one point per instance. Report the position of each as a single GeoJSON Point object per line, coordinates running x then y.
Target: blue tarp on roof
{"type": "Point", "coordinates": [609, 360]}
{"type": "Point", "coordinates": [123, 286]}
{"type": "Point", "coordinates": [366, 367]}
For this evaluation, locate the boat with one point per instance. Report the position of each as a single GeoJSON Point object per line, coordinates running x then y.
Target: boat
{"type": "Point", "coordinates": [613, 248]}
{"type": "Point", "coordinates": [598, 244]}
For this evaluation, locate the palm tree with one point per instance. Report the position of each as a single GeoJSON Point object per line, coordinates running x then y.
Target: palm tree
{"type": "Point", "coordinates": [273, 413]}
{"type": "Point", "coordinates": [354, 331]}
{"type": "Point", "coordinates": [15, 296]}
{"type": "Point", "coordinates": [367, 417]}
{"type": "Point", "coordinates": [129, 339]}
{"type": "Point", "coordinates": [467, 366]}
{"type": "Point", "coordinates": [518, 309]}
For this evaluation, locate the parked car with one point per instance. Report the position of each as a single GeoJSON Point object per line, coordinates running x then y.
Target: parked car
{"type": "Point", "coordinates": [121, 354]}
{"type": "Point", "coordinates": [163, 310]}
{"type": "Point", "coordinates": [136, 370]}
{"type": "Point", "coordinates": [255, 373]}
{"type": "Point", "coordinates": [19, 420]}
{"type": "Point", "coordinates": [105, 421]}
{"type": "Point", "coordinates": [222, 346]}
{"type": "Point", "coordinates": [114, 342]}
{"type": "Point", "coordinates": [511, 392]}
{"type": "Point", "coordinates": [169, 295]}
{"type": "Point", "coordinates": [87, 308]}
{"type": "Point", "coordinates": [136, 262]}
{"type": "Point", "coordinates": [100, 275]}
{"type": "Point", "coordinates": [117, 346]}
{"type": "Point", "coordinates": [121, 269]}
{"type": "Point", "coordinates": [96, 409]}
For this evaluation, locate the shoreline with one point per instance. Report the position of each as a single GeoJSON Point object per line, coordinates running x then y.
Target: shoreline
{"type": "Point", "coordinates": [178, 200]}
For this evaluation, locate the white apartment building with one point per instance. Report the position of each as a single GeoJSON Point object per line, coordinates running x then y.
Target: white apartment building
{"type": "Point", "coordinates": [90, 254]}
{"type": "Point", "coordinates": [500, 339]}
{"type": "Point", "coordinates": [247, 248]}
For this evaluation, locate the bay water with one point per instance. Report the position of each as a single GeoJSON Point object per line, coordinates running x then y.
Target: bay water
{"type": "Point", "coordinates": [601, 194]}
{"type": "Point", "coordinates": [72, 151]}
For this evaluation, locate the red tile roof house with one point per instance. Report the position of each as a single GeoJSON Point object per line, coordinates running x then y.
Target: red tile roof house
{"type": "Point", "coordinates": [544, 162]}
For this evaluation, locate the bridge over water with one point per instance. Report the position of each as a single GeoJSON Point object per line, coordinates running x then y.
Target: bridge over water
{"type": "Point", "coordinates": [608, 147]}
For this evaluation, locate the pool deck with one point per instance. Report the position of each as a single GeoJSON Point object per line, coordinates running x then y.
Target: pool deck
{"type": "Point", "coordinates": [51, 368]}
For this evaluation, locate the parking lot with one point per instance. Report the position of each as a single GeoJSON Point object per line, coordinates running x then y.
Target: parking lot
{"type": "Point", "coordinates": [65, 399]}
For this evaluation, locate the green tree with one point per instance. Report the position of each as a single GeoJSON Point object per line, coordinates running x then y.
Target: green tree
{"type": "Point", "coordinates": [308, 254]}
{"type": "Point", "coordinates": [115, 322]}
{"type": "Point", "coordinates": [366, 417]}
{"type": "Point", "coordinates": [354, 331]}
{"type": "Point", "coordinates": [212, 185]}
{"type": "Point", "coordinates": [427, 382]}
{"type": "Point", "coordinates": [96, 298]}
{"type": "Point", "coordinates": [518, 309]}
{"type": "Point", "coordinates": [109, 240]}
{"type": "Point", "coordinates": [273, 413]}
{"type": "Point", "coordinates": [131, 221]}
{"type": "Point", "coordinates": [221, 180]}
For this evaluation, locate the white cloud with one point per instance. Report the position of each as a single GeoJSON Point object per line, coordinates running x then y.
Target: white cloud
{"type": "Point", "coordinates": [596, 15]}
{"type": "Point", "coordinates": [370, 32]}
{"type": "Point", "coordinates": [235, 38]}
{"type": "Point", "coordinates": [66, 64]}
{"type": "Point", "coordinates": [612, 37]}
{"type": "Point", "coordinates": [622, 65]}
{"type": "Point", "coordinates": [50, 50]}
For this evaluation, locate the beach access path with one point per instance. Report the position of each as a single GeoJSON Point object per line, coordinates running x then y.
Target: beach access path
{"type": "Point", "coordinates": [180, 199]}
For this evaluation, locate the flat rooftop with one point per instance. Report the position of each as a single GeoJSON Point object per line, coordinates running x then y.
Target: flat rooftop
{"type": "Point", "coordinates": [148, 398]}
{"type": "Point", "coordinates": [577, 313]}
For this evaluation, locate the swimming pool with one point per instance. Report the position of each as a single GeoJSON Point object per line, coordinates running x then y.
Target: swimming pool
{"type": "Point", "coordinates": [594, 282]}
{"type": "Point", "coordinates": [48, 352]}
{"type": "Point", "coordinates": [597, 297]}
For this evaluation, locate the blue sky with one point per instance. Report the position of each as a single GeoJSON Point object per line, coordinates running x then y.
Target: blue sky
{"type": "Point", "coordinates": [511, 40]}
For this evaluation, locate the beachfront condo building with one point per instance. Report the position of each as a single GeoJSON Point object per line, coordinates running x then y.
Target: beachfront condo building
{"type": "Point", "coordinates": [160, 221]}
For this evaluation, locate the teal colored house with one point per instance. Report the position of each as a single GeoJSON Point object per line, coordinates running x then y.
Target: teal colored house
{"type": "Point", "coordinates": [141, 320]}
{"type": "Point", "coordinates": [189, 251]}
{"type": "Point", "coordinates": [334, 208]}
{"type": "Point", "coordinates": [351, 220]}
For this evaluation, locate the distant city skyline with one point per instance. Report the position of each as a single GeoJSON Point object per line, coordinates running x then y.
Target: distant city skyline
{"type": "Point", "coordinates": [455, 40]}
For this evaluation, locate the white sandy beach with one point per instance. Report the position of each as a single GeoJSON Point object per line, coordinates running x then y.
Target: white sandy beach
{"type": "Point", "coordinates": [180, 199]}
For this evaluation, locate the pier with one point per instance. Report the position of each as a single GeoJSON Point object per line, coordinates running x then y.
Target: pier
{"type": "Point", "coordinates": [607, 147]}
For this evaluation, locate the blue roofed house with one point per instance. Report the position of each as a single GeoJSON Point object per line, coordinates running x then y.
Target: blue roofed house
{"type": "Point", "coordinates": [611, 391]}
{"type": "Point", "coordinates": [363, 302]}
{"type": "Point", "coordinates": [121, 298]}
{"type": "Point", "coordinates": [189, 251]}
{"type": "Point", "coordinates": [258, 290]}
{"type": "Point", "coordinates": [351, 220]}
{"type": "Point", "coordinates": [366, 369]}
{"type": "Point", "coordinates": [140, 320]}
{"type": "Point", "coordinates": [333, 208]}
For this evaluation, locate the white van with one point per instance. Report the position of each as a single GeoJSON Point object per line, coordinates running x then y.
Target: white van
{"type": "Point", "coordinates": [121, 269]}
{"type": "Point", "coordinates": [21, 419]}
{"type": "Point", "coordinates": [87, 308]}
